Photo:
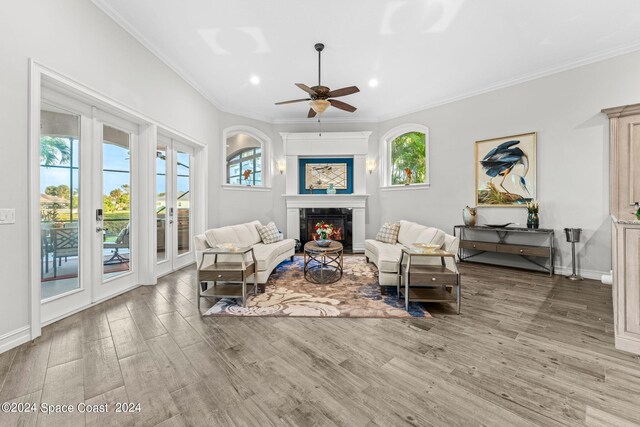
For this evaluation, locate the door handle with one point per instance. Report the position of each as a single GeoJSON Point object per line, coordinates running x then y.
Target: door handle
{"type": "Point", "coordinates": [99, 229]}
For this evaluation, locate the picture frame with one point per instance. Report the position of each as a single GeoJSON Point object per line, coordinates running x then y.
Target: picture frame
{"type": "Point", "coordinates": [320, 175]}
{"type": "Point", "coordinates": [505, 171]}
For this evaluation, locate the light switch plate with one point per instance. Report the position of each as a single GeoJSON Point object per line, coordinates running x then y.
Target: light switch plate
{"type": "Point", "coordinates": [7, 216]}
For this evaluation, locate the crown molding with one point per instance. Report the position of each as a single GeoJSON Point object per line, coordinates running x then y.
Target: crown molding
{"type": "Point", "coordinates": [104, 6]}
{"type": "Point", "coordinates": [324, 120]}
{"type": "Point", "coordinates": [580, 62]}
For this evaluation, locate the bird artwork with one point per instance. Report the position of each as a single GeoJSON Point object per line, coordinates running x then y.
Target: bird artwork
{"type": "Point", "coordinates": [507, 163]}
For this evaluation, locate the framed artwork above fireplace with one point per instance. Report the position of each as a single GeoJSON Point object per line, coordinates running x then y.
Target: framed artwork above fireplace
{"type": "Point", "coordinates": [317, 174]}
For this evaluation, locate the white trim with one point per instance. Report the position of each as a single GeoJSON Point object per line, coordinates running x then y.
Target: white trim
{"type": "Point", "coordinates": [103, 102]}
{"type": "Point", "coordinates": [265, 150]}
{"type": "Point", "coordinates": [15, 338]}
{"type": "Point", "coordinates": [313, 136]}
{"type": "Point", "coordinates": [580, 62]}
{"type": "Point", "coordinates": [106, 8]}
{"type": "Point", "coordinates": [39, 74]}
{"type": "Point", "coordinates": [233, 187]}
{"type": "Point", "coordinates": [84, 307]}
{"type": "Point", "coordinates": [406, 187]}
{"type": "Point", "coordinates": [587, 274]}
{"type": "Point", "coordinates": [33, 166]}
{"type": "Point", "coordinates": [325, 200]}
{"type": "Point", "coordinates": [62, 295]}
{"type": "Point", "coordinates": [575, 63]}
{"type": "Point", "coordinates": [352, 118]}
{"type": "Point", "coordinates": [385, 153]}
{"type": "Point", "coordinates": [626, 344]}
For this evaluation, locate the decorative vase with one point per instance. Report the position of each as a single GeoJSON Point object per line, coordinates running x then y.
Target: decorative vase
{"type": "Point", "coordinates": [469, 216]}
{"type": "Point", "coordinates": [331, 190]}
{"type": "Point", "coordinates": [323, 243]}
{"type": "Point", "coordinates": [533, 220]}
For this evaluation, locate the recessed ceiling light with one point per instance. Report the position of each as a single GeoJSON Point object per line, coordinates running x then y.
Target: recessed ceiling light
{"type": "Point", "coordinates": [373, 82]}
{"type": "Point", "coordinates": [254, 80]}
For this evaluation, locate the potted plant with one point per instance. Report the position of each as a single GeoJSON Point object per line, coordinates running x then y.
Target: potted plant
{"type": "Point", "coordinates": [533, 220]}
{"type": "Point", "coordinates": [247, 174]}
{"type": "Point", "coordinates": [324, 232]}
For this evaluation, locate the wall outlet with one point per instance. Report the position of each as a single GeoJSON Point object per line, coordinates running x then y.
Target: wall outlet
{"type": "Point", "coordinates": [7, 216]}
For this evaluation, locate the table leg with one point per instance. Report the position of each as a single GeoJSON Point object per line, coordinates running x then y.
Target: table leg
{"type": "Point", "coordinates": [406, 295]}
{"type": "Point", "coordinates": [198, 284]}
{"type": "Point", "coordinates": [244, 292]}
{"type": "Point", "coordinates": [458, 293]}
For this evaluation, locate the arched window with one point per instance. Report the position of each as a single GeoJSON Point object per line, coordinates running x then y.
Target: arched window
{"type": "Point", "coordinates": [244, 167]}
{"type": "Point", "coordinates": [406, 156]}
{"type": "Point", "coordinates": [245, 157]}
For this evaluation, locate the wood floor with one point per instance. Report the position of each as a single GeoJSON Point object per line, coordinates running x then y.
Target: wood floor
{"type": "Point", "coordinates": [526, 350]}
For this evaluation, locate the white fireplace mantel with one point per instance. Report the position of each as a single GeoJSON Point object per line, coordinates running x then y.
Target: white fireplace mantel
{"type": "Point", "coordinates": [328, 145]}
{"type": "Point", "coordinates": [326, 200]}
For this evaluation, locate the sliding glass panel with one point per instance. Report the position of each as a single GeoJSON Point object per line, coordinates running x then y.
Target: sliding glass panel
{"type": "Point", "coordinates": [116, 201]}
{"type": "Point", "coordinates": [161, 202]}
{"type": "Point", "coordinates": [59, 196]}
{"type": "Point", "coordinates": [183, 197]}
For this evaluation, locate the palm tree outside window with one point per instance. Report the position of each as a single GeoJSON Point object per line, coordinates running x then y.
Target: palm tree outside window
{"type": "Point", "coordinates": [408, 155]}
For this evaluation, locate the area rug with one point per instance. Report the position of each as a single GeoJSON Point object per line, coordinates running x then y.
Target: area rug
{"type": "Point", "coordinates": [288, 294]}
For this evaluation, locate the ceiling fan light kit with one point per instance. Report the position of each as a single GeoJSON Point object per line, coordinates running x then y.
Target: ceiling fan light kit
{"type": "Point", "coordinates": [320, 95]}
{"type": "Point", "coordinates": [319, 105]}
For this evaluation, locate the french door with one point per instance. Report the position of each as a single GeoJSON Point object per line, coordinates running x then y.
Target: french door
{"type": "Point", "coordinates": [88, 206]}
{"type": "Point", "coordinates": [174, 205]}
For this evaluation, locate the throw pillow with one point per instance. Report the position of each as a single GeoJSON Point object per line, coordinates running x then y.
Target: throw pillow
{"type": "Point", "coordinates": [269, 233]}
{"type": "Point", "coordinates": [388, 232]}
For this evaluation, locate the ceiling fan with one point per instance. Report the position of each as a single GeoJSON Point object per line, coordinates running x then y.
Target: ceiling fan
{"type": "Point", "coordinates": [320, 95]}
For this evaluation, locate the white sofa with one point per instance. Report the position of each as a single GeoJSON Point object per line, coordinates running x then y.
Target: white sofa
{"type": "Point", "coordinates": [267, 256]}
{"type": "Point", "coordinates": [386, 256]}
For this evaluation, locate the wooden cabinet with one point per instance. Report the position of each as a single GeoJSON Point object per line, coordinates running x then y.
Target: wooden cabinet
{"type": "Point", "coordinates": [624, 128]}
{"type": "Point", "coordinates": [626, 287]}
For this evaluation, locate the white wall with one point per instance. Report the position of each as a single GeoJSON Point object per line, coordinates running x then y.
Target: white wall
{"type": "Point", "coordinates": [236, 205]}
{"type": "Point", "coordinates": [76, 39]}
{"type": "Point", "coordinates": [573, 158]}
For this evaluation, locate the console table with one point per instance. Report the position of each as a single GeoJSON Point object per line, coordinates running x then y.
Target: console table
{"type": "Point", "coordinates": [495, 239]}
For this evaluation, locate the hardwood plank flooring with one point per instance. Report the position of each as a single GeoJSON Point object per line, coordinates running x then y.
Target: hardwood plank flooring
{"type": "Point", "coordinates": [526, 350]}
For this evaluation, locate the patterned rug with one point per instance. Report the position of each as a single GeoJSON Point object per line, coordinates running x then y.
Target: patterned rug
{"type": "Point", "coordinates": [288, 294]}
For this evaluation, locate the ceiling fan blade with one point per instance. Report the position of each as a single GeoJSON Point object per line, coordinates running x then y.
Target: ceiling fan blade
{"type": "Point", "coordinates": [306, 88]}
{"type": "Point", "coordinates": [292, 101]}
{"type": "Point", "coordinates": [343, 91]}
{"type": "Point", "coordinates": [342, 105]}
{"type": "Point", "coordinates": [312, 113]}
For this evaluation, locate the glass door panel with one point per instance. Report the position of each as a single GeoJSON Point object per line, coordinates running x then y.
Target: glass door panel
{"type": "Point", "coordinates": [59, 202]}
{"type": "Point", "coordinates": [161, 202]}
{"type": "Point", "coordinates": [183, 197]}
{"type": "Point", "coordinates": [116, 202]}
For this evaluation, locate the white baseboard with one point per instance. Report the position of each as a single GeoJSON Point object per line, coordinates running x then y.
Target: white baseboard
{"type": "Point", "coordinates": [15, 338]}
{"type": "Point", "coordinates": [587, 274]}
{"type": "Point", "coordinates": [625, 344]}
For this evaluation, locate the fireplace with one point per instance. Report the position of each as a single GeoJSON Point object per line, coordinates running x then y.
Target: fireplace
{"type": "Point", "coordinates": [340, 218]}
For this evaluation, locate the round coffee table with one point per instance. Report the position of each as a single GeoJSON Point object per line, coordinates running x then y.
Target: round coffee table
{"type": "Point", "coordinates": [323, 265]}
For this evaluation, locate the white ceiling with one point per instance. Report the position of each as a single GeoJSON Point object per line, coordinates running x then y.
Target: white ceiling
{"type": "Point", "coordinates": [422, 53]}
